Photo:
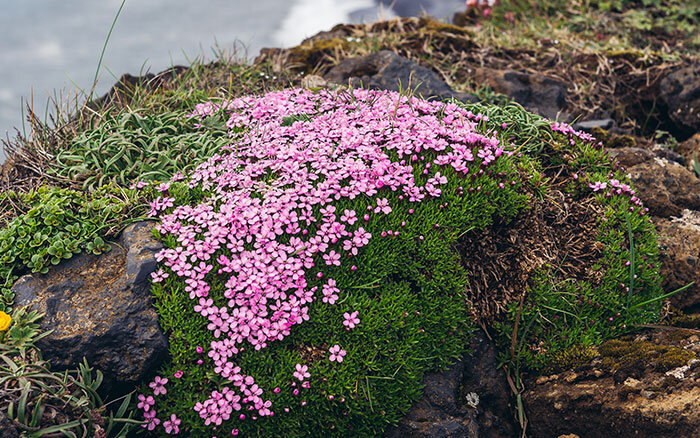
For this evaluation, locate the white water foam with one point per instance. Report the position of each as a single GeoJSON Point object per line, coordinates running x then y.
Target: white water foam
{"type": "Point", "coordinates": [308, 17]}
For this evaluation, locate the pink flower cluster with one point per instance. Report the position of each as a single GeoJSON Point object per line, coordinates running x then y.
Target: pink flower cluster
{"type": "Point", "coordinates": [147, 404]}
{"type": "Point", "coordinates": [263, 224]}
{"type": "Point", "coordinates": [616, 187]}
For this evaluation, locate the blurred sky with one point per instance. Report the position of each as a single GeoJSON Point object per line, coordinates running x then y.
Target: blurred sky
{"type": "Point", "coordinates": [50, 46]}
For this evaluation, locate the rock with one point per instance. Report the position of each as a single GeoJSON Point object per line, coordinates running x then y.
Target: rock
{"type": "Point", "coordinates": [666, 187]}
{"type": "Point", "coordinates": [589, 125]}
{"type": "Point", "coordinates": [438, 413]}
{"type": "Point", "coordinates": [680, 92]}
{"type": "Point", "coordinates": [100, 308]}
{"type": "Point", "coordinates": [450, 409]}
{"type": "Point", "coordinates": [632, 383]}
{"type": "Point", "coordinates": [668, 154]}
{"type": "Point", "coordinates": [679, 241]}
{"type": "Point", "coordinates": [7, 428]}
{"type": "Point", "coordinates": [541, 94]}
{"type": "Point", "coordinates": [386, 70]}
{"type": "Point", "coordinates": [631, 156]}
{"type": "Point", "coordinates": [141, 249]}
{"type": "Point", "coordinates": [482, 376]}
{"type": "Point", "coordinates": [592, 409]}
{"type": "Point", "coordinates": [313, 81]}
{"type": "Point", "coordinates": [690, 149]}
{"type": "Point", "coordinates": [661, 400]}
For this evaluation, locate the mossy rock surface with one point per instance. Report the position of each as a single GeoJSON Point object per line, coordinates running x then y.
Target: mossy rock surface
{"type": "Point", "coordinates": [423, 218]}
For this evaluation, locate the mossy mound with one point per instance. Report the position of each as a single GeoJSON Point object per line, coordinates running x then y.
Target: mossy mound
{"type": "Point", "coordinates": [636, 356]}
{"type": "Point", "coordinates": [333, 207]}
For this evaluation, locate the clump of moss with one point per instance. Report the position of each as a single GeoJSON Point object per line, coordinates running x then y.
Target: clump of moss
{"type": "Point", "coordinates": [574, 358]}
{"type": "Point", "coordinates": [407, 286]}
{"type": "Point", "coordinates": [308, 55]}
{"type": "Point", "coordinates": [691, 321]}
{"type": "Point", "coordinates": [637, 356]}
{"type": "Point", "coordinates": [611, 140]}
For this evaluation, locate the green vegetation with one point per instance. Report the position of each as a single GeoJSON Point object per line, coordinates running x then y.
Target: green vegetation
{"type": "Point", "coordinates": [43, 403]}
{"type": "Point", "coordinates": [636, 356]}
{"type": "Point", "coordinates": [73, 194]}
{"type": "Point", "coordinates": [55, 225]}
{"type": "Point", "coordinates": [595, 25]}
{"type": "Point", "coordinates": [131, 147]}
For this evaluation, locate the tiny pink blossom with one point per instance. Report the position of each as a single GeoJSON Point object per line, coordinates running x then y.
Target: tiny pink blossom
{"type": "Point", "coordinates": [158, 385]}
{"type": "Point", "coordinates": [337, 354]}
{"type": "Point", "coordinates": [301, 372]}
{"type": "Point", "coordinates": [351, 319]}
{"type": "Point", "coordinates": [172, 425]}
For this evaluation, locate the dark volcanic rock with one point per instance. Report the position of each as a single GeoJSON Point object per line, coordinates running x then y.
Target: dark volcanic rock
{"type": "Point", "coordinates": [100, 308]}
{"type": "Point", "coordinates": [680, 92]}
{"type": "Point", "coordinates": [438, 413]}
{"type": "Point", "coordinates": [386, 70]}
{"type": "Point", "coordinates": [482, 377]}
{"type": "Point", "coordinates": [443, 411]}
{"type": "Point", "coordinates": [541, 94]}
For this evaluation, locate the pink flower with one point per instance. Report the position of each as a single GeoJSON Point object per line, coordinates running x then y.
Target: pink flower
{"type": "Point", "coordinates": [351, 319]}
{"type": "Point", "coordinates": [160, 275]}
{"type": "Point", "coordinates": [382, 206]}
{"type": "Point", "coordinates": [598, 186]}
{"type": "Point", "coordinates": [151, 420]}
{"type": "Point", "coordinates": [178, 374]}
{"type": "Point", "coordinates": [145, 403]}
{"type": "Point", "coordinates": [158, 385]}
{"type": "Point", "coordinates": [349, 216]}
{"type": "Point", "coordinates": [336, 353]}
{"type": "Point", "coordinates": [301, 372]}
{"type": "Point", "coordinates": [332, 258]}
{"type": "Point", "coordinates": [172, 425]}
{"type": "Point", "coordinates": [330, 292]}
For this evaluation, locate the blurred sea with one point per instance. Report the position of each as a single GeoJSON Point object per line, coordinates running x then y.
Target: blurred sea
{"type": "Point", "coordinates": [49, 47]}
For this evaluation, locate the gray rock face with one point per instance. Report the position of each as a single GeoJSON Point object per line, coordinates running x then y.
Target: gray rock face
{"type": "Point", "coordinates": [386, 70]}
{"type": "Point", "coordinates": [444, 412]}
{"type": "Point", "coordinates": [680, 91]}
{"type": "Point", "coordinates": [100, 308]}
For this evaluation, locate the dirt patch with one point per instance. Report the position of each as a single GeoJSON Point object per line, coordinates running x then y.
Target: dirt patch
{"type": "Point", "coordinates": [311, 353]}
